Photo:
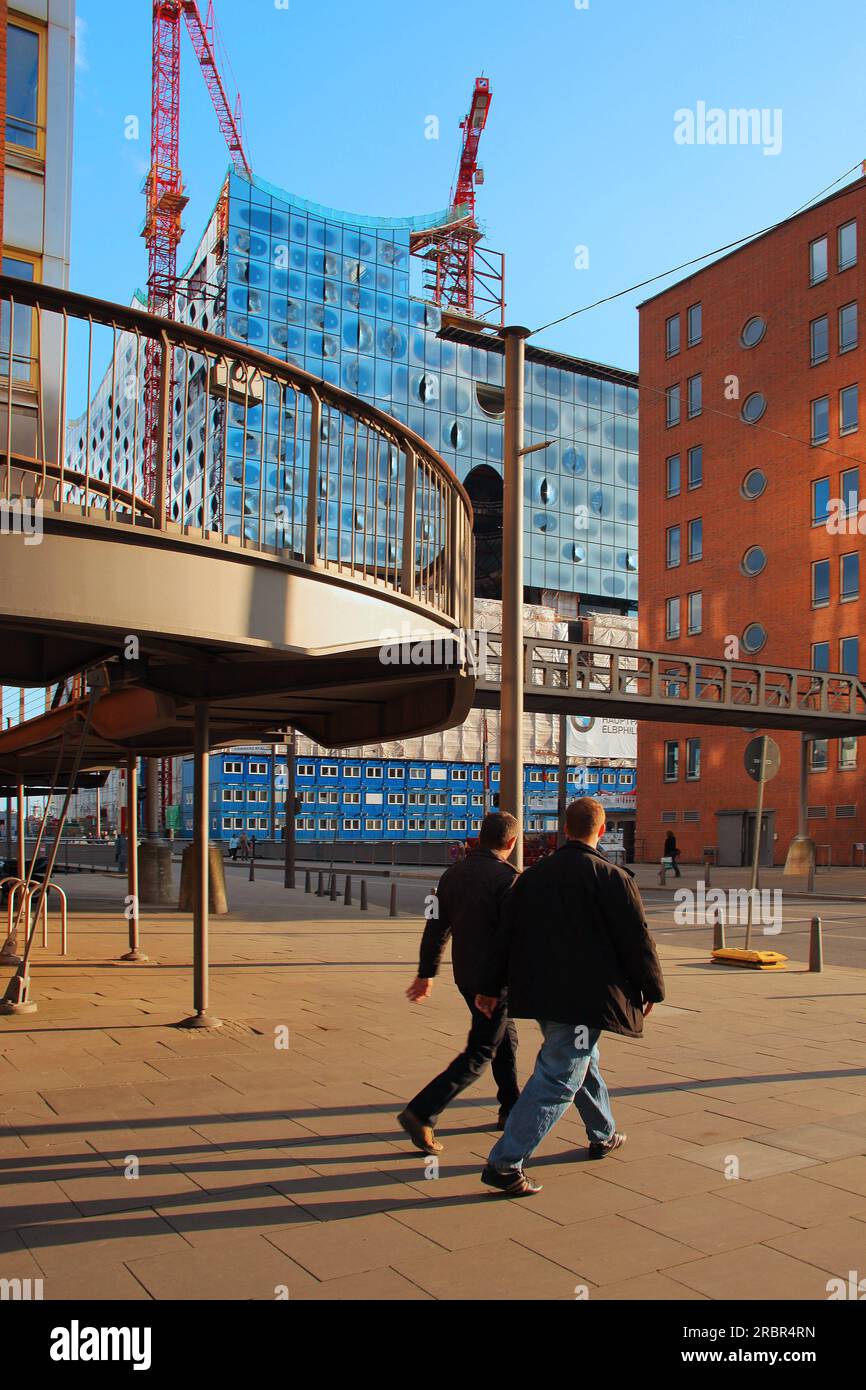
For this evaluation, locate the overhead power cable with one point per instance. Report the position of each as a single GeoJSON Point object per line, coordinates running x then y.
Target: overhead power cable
{"type": "Point", "coordinates": [696, 260]}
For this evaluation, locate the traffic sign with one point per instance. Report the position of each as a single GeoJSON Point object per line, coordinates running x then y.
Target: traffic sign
{"type": "Point", "coordinates": [752, 758]}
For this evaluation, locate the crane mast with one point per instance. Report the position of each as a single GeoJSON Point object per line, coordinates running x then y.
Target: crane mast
{"type": "Point", "coordinates": [165, 202]}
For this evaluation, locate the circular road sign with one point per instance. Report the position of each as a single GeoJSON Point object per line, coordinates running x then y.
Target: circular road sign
{"type": "Point", "coordinates": [752, 759]}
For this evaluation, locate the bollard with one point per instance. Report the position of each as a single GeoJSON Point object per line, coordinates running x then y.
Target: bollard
{"type": "Point", "coordinates": [363, 895]}
{"type": "Point", "coordinates": [393, 909]}
{"type": "Point", "coordinates": [320, 891]}
{"type": "Point", "coordinates": [816, 946]}
{"type": "Point", "coordinates": [333, 888]}
{"type": "Point", "coordinates": [308, 881]}
{"type": "Point", "coordinates": [347, 894]}
{"type": "Point", "coordinates": [709, 878]}
{"type": "Point", "coordinates": [719, 942]}
{"type": "Point", "coordinates": [253, 867]}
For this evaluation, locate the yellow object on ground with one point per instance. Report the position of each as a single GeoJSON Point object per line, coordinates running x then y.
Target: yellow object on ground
{"type": "Point", "coordinates": [752, 960]}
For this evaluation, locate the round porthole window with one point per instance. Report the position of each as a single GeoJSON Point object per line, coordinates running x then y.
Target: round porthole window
{"type": "Point", "coordinates": [753, 561]}
{"type": "Point", "coordinates": [753, 331]}
{"type": "Point", "coordinates": [753, 407]}
{"type": "Point", "coordinates": [754, 637]}
{"type": "Point", "coordinates": [753, 484]}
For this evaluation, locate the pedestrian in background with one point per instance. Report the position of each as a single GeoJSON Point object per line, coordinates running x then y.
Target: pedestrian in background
{"type": "Point", "coordinates": [671, 851]}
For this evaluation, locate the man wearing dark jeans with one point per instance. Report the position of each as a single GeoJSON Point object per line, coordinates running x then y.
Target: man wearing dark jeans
{"type": "Point", "coordinates": [576, 953]}
{"type": "Point", "coordinates": [466, 908]}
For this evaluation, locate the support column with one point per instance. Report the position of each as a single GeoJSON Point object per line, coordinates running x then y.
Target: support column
{"type": "Point", "coordinates": [511, 706]}
{"type": "Point", "coordinates": [135, 952]}
{"type": "Point", "coordinates": [22, 851]}
{"type": "Point", "coordinates": [290, 847]}
{"type": "Point", "coordinates": [201, 857]}
{"type": "Point", "coordinates": [562, 789]}
{"type": "Point", "coordinates": [800, 858]}
{"type": "Point", "coordinates": [151, 800]}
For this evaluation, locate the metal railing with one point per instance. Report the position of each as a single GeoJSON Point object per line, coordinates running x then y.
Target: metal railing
{"type": "Point", "coordinates": [656, 685]}
{"type": "Point", "coordinates": [250, 451]}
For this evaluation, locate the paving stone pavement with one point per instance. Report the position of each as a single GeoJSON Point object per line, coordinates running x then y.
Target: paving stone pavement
{"type": "Point", "coordinates": [262, 1160]}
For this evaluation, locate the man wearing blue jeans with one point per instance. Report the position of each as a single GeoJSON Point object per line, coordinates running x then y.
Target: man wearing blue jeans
{"type": "Point", "coordinates": [575, 953]}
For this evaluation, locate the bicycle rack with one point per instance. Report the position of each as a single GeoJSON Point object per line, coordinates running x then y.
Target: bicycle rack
{"type": "Point", "coordinates": [9, 949]}
{"type": "Point", "coordinates": [43, 912]}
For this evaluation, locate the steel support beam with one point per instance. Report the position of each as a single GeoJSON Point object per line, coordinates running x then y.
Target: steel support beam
{"type": "Point", "coordinates": [511, 698]}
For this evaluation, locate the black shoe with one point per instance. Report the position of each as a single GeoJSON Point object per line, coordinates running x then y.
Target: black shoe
{"type": "Point", "coordinates": [421, 1134]}
{"type": "Point", "coordinates": [601, 1149]}
{"type": "Point", "coordinates": [512, 1184]}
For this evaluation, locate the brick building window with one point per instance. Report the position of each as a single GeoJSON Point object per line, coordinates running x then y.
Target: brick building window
{"type": "Point", "coordinates": [696, 465]}
{"type": "Point", "coordinates": [695, 324]}
{"type": "Point", "coordinates": [672, 617]}
{"type": "Point", "coordinates": [820, 501]}
{"type": "Point", "coordinates": [672, 335]}
{"type": "Point", "coordinates": [818, 756]}
{"type": "Point", "coordinates": [672, 546]}
{"type": "Point", "coordinates": [849, 577]}
{"type": "Point", "coordinates": [672, 485]}
{"type": "Point", "coordinates": [672, 762]}
{"type": "Point", "coordinates": [819, 340]}
{"type": "Point", "coordinates": [850, 480]}
{"type": "Point", "coordinates": [820, 420]}
{"type": "Point", "coordinates": [847, 755]}
{"type": "Point", "coordinates": [818, 260]}
{"type": "Point", "coordinates": [696, 393]}
{"type": "Point", "coordinates": [753, 331]}
{"type": "Point", "coordinates": [848, 327]}
{"type": "Point", "coordinates": [849, 655]}
{"type": "Point", "coordinates": [849, 409]}
{"type": "Point", "coordinates": [693, 759]}
{"type": "Point", "coordinates": [820, 583]}
{"type": "Point", "coordinates": [672, 405]}
{"type": "Point", "coordinates": [847, 245]}
{"type": "Point", "coordinates": [696, 605]}
{"type": "Point", "coordinates": [696, 539]}
{"type": "Point", "coordinates": [820, 656]}
{"type": "Point", "coordinates": [754, 406]}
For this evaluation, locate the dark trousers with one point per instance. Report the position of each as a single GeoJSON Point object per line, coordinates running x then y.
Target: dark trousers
{"type": "Point", "coordinates": [491, 1040]}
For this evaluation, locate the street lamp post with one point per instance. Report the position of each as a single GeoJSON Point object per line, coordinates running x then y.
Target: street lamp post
{"type": "Point", "coordinates": [511, 726]}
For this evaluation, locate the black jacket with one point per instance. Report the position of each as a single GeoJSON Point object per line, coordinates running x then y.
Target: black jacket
{"type": "Point", "coordinates": [467, 908]}
{"type": "Point", "coordinates": [574, 946]}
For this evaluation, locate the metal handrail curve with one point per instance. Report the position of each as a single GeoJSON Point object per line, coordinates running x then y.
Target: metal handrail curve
{"type": "Point", "coordinates": [284, 462]}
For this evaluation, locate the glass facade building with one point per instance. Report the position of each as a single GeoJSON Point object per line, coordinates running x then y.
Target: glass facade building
{"type": "Point", "coordinates": [339, 295]}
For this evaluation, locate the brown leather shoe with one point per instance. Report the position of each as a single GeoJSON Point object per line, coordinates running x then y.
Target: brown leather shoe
{"type": "Point", "coordinates": [422, 1135]}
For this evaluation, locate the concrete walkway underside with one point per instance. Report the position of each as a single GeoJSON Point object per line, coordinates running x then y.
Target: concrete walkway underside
{"type": "Point", "coordinates": [262, 1160]}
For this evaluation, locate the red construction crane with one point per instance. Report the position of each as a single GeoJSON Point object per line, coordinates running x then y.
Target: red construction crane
{"type": "Point", "coordinates": [164, 185]}
{"type": "Point", "coordinates": [469, 174]}
{"type": "Point", "coordinates": [165, 204]}
{"type": "Point", "coordinates": [451, 250]}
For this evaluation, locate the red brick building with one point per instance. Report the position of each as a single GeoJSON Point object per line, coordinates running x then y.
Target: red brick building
{"type": "Point", "coordinates": [750, 374]}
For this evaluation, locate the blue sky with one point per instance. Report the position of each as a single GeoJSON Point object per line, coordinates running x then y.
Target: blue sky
{"type": "Point", "coordinates": [579, 148]}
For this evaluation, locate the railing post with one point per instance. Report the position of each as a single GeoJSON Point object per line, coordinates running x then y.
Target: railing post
{"type": "Point", "coordinates": [311, 539]}
{"type": "Point", "coordinates": [454, 557]}
{"type": "Point", "coordinates": [163, 437]}
{"type": "Point", "coordinates": [407, 573]}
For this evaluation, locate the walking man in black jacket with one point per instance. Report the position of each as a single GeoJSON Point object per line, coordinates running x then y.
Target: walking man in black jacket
{"type": "Point", "coordinates": [577, 956]}
{"type": "Point", "coordinates": [467, 908]}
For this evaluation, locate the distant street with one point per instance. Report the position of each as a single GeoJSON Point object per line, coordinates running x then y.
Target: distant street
{"type": "Point", "coordinates": [844, 922]}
